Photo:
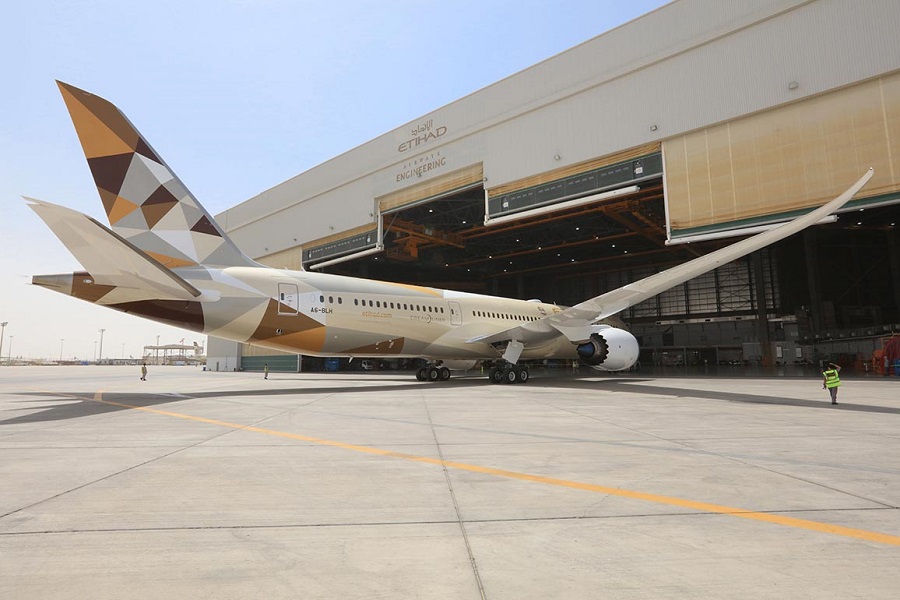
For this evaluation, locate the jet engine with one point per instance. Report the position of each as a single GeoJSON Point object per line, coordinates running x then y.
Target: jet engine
{"type": "Point", "coordinates": [609, 349]}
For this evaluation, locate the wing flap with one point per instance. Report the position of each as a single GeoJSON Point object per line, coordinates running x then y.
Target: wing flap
{"type": "Point", "coordinates": [109, 258]}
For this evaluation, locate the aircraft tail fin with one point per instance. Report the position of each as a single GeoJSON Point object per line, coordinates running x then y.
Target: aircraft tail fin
{"type": "Point", "coordinates": [145, 201]}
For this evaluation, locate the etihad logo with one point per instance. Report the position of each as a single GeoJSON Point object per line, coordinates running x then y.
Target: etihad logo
{"type": "Point", "coordinates": [421, 166]}
{"type": "Point", "coordinates": [422, 133]}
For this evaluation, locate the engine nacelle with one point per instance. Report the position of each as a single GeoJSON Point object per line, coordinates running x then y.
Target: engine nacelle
{"type": "Point", "coordinates": [609, 349]}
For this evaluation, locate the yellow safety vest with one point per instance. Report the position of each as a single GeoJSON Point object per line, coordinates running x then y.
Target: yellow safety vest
{"type": "Point", "coordinates": [831, 378]}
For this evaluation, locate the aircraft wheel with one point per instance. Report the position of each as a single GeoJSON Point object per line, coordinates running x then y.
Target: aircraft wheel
{"type": "Point", "coordinates": [445, 373]}
{"type": "Point", "coordinates": [433, 373]}
{"type": "Point", "coordinates": [524, 375]}
{"type": "Point", "coordinates": [496, 375]}
{"type": "Point", "coordinates": [510, 375]}
{"type": "Point", "coordinates": [421, 374]}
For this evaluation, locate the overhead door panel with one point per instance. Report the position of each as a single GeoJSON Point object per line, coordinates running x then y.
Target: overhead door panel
{"type": "Point", "coordinates": [769, 165]}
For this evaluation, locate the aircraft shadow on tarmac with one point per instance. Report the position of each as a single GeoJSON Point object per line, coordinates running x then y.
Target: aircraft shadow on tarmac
{"type": "Point", "coordinates": [82, 404]}
{"type": "Point", "coordinates": [632, 386]}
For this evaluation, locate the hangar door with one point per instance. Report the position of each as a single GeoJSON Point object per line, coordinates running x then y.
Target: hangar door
{"type": "Point", "coordinates": [450, 183]}
{"type": "Point", "coordinates": [766, 166]}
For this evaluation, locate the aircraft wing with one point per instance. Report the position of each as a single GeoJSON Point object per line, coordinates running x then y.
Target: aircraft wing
{"type": "Point", "coordinates": [575, 322]}
{"type": "Point", "coordinates": [109, 258]}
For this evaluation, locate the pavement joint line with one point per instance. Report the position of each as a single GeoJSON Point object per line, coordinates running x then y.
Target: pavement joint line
{"type": "Point", "coordinates": [380, 523]}
{"type": "Point", "coordinates": [776, 519]}
{"type": "Point", "coordinates": [459, 518]}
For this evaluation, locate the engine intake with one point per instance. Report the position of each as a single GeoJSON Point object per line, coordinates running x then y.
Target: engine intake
{"type": "Point", "coordinates": [594, 351]}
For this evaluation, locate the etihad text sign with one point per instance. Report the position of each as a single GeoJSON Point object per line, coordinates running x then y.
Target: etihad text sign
{"type": "Point", "coordinates": [421, 134]}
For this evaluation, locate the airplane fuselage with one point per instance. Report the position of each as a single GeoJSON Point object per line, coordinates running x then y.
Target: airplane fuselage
{"type": "Point", "coordinates": [319, 314]}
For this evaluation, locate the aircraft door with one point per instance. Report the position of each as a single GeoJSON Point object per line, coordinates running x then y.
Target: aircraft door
{"type": "Point", "coordinates": [455, 313]}
{"type": "Point", "coordinates": [288, 299]}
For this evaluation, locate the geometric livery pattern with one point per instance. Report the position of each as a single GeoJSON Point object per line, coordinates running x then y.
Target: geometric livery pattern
{"type": "Point", "coordinates": [144, 200]}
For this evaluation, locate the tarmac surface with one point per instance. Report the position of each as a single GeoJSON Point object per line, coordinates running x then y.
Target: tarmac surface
{"type": "Point", "coordinates": [224, 485]}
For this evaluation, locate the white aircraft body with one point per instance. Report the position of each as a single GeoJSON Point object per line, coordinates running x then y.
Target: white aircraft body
{"type": "Point", "coordinates": [165, 258]}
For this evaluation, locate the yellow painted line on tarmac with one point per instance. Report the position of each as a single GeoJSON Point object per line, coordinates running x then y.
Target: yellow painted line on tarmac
{"type": "Point", "coordinates": [849, 532]}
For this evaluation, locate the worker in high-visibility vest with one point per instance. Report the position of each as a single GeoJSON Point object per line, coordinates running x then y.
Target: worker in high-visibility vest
{"type": "Point", "coordinates": [831, 380]}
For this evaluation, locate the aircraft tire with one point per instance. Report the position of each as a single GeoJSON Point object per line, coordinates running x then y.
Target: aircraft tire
{"type": "Point", "coordinates": [445, 373]}
{"type": "Point", "coordinates": [433, 373]}
{"type": "Point", "coordinates": [524, 375]}
{"type": "Point", "coordinates": [511, 375]}
{"type": "Point", "coordinates": [421, 374]}
{"type": "Point", "coordinates": [496, 375]}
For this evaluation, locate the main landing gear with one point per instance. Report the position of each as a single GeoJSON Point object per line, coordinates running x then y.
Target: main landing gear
{"type": "Point", "coordinates": [509, 374]}
{"type": "Point", "coordinates": [501, 372]}
{"type": "Point", "coordinates": [433, 373]}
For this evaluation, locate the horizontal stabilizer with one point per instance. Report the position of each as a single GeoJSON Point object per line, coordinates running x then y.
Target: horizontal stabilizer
{"type": "Point", "coordinates": [109, 258]}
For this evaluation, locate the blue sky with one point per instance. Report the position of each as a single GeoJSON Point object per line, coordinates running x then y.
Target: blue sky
{"type": "Point", "coordinates": [237, 96]}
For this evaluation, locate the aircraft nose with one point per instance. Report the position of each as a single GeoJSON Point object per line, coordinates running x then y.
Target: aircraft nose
{"type": "Point", "coordinates": [59, 283]}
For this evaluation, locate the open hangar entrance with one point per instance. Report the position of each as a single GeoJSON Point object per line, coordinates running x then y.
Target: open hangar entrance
{"type": "Point", "coordinates": [754, 311]}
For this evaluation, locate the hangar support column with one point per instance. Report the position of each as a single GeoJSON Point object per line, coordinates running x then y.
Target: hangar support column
{"type": "Point", "coordinates": [762, 318]}
{"type": "Point", "coordinates": [893, 248]}
{"type": "Point", "coordinates": [813, 278]}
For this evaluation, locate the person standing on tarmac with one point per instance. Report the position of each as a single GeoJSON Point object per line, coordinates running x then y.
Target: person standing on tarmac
{"type": "Point", "coordinates": [266, 371]}
{"type": "Point", "coordinates": [831, 380]}
{"type": "Point", "coordinates": [144, 372]}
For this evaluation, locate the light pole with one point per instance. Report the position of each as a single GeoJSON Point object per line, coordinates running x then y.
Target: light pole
{"type": "Point", "coordinates": [61, 341]}
{"type": "Point", "coordinates": [95, 351]}
{"type": "Point", "coordinates": [9, 352]}
{"type": "Point", "coordinates": [101, 345]}
{"type": "Point", "coordinates": [2, 331]}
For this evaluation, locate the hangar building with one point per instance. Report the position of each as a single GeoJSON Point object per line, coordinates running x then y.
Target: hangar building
{"type": "Point", "coordinates": [634, 151]}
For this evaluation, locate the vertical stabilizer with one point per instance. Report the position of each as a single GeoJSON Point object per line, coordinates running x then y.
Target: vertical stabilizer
{"type": "Point", "coordinates": [145, 201]}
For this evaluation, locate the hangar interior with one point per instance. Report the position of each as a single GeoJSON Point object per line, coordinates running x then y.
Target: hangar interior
{"type": "Point", "coordinates": [554, 202]}
{"type": "Point", "coordinates": [567, 254]}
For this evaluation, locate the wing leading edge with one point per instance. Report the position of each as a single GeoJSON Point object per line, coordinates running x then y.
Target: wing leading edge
{"type": "Point", "coordinates": [575, 322]}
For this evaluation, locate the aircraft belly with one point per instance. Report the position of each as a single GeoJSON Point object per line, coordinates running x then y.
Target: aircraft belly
{"type": "Point", "coordinates": [345, 341]}
{"type": "Point", "coordinates": [177, 313]}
